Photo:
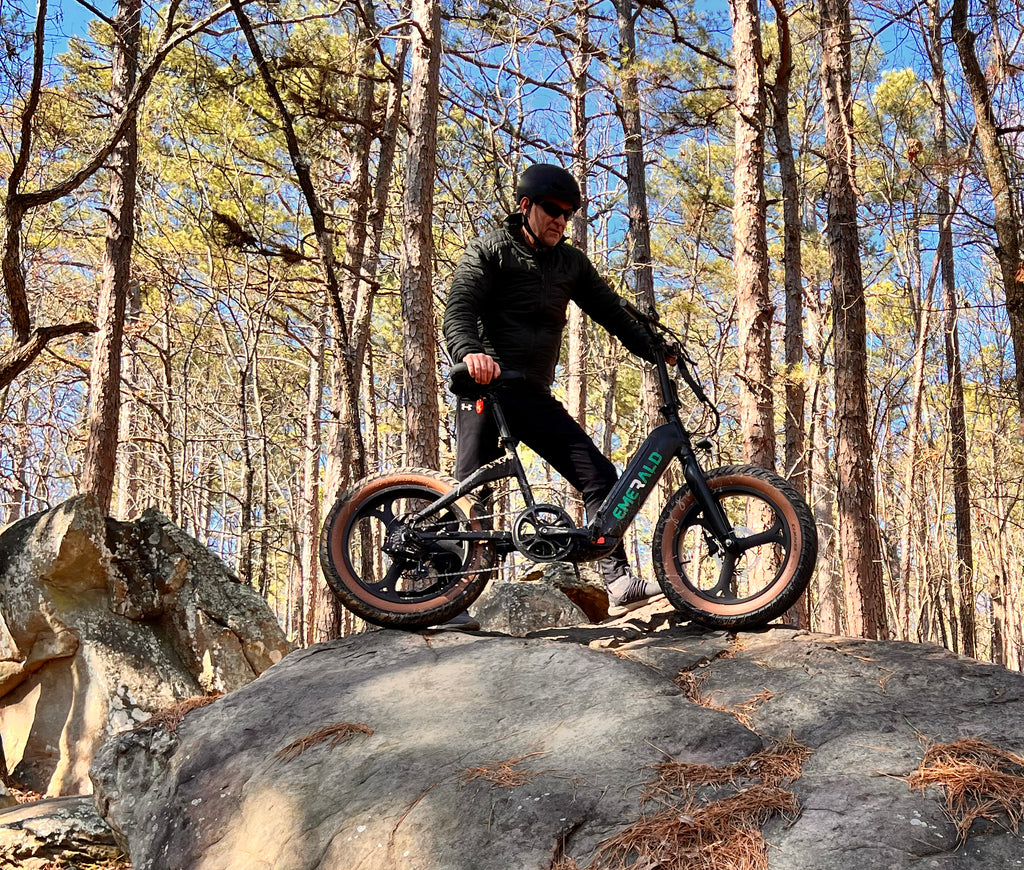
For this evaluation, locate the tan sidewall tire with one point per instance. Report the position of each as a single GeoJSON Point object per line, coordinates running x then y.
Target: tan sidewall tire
{"type": "Point", "coordinates": [356, 597]}
{"type": "Point", "coordinates": [775, 598]}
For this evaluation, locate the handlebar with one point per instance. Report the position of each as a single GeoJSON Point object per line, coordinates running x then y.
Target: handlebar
{"type": "Point", "coordinates": [673, 354]}
{"type": "Point", "coordinates": [462, 383]}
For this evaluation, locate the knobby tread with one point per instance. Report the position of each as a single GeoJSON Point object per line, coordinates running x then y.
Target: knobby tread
{"type": "Point", "coordinates": [786, 590]}
{"type": "Point", "coordinates": [346, 585]}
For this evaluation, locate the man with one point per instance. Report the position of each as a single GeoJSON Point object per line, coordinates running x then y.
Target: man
{"type": "Point", "coordinates": [507, 309]}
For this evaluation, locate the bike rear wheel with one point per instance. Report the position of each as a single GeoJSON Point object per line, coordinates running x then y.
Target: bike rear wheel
{"type": "Point", "coordinates": [391, 573]}
{"type": "Point", "coordinates": [759, 580]}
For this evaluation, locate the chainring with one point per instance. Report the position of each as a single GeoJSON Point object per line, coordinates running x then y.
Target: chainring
{"type": "Point", "coordinates": [544, 533]}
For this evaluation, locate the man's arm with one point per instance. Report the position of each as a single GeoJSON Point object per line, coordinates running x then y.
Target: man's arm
{"type": "Point", "coordinates": [604, 305]}
{"type": "Point", "coordinates": [462, 315]}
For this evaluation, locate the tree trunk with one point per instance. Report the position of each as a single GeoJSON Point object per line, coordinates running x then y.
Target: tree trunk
{"type": "Point", "coordinates": [795, 380]}
{"type": "Point", "coordinates": [309, 574]}
{"type": "Point", "coordinates": [1007, 220]}
{"type": "Point", "coordinates": [129, 463]}
{"type": "Point", "coordinates": [628, 109]}
{"type": "Point", "coordinates": [388, 139]}
{"type": "Point", "coordinates": [911, 503]}
{"type": "Point", "coordinates": [957, 445]}
{"type": "Point", "coordinates": [357, 213]}
{"type": "Point", "coordinates": [576, 381]}
{"type": "Point", "coordinates": [246, 544]}
{"type": "Point", "coordinates": [750, 255]}
{"type": "Point", "coordinates": [828, 614]}
{"type": "Point", "coordinates": [858, 532]}
{"type": "Point", "coordinates": [100, 465]}
{"type": "Point", "coordinates": [419, 329]}
{"type": "Point", "coordinates": [346, 361]}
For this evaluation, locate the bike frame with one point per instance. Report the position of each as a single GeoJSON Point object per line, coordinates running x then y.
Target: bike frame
{"type": "Point", "coordinates": [630, 493]}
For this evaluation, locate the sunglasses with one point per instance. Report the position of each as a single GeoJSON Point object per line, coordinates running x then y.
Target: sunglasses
{"type": "Point", "coordinates": [552, 210]}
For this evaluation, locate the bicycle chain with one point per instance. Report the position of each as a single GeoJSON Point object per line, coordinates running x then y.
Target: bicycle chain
{"type": "Point", "coordinates": [447, 524]}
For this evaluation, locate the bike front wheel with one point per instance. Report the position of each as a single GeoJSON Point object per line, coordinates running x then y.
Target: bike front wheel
{"type": "Point", "coordinates": [399, 574]}
{"type": "Point", "coordinates": [757, 579]}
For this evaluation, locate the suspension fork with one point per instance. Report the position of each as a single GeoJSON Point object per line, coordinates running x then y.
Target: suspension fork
{"type": "Point", "coordinates": [712, 510]}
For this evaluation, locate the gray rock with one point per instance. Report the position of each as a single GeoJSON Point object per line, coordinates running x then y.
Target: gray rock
{"type": "Point", "coordinates": [584, 712]}
{"type": "Point", "coordinates": [104, 623]}
{"type": "Point", "coordinates": [68, 830]}
{"type": "Point", "coordinates": [582, 585]}
{"type": "Point", "coordinates": [584, 725]}
{"type": "Point", "coordinates": [523, 606]}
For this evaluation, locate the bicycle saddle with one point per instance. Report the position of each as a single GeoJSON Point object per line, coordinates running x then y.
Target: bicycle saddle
{"type": "Point", "coordinates": [461, 383]}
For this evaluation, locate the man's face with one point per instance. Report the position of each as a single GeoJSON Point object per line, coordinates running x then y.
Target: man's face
{"type": "Point", "coordinates": [546, 227]}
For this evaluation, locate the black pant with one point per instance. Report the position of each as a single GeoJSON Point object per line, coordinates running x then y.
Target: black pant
{"type": "Point", "coordinates": [540, 421]}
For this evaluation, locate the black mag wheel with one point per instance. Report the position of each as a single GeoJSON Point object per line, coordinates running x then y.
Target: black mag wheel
{"type": "Point", "coordinates": [395, 576]}
{"type": "Point", "coordinates": [762, 576]}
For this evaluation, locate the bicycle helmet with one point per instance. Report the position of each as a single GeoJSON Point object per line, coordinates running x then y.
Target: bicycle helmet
{"type": "Point", "coordinates": [547, 181]}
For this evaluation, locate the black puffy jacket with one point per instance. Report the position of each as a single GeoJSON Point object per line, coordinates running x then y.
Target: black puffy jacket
{"type": "Point", "coordinates": [509, 301]}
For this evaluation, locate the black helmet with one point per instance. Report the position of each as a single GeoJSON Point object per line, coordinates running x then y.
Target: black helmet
{"type": "Point", "coordinates": [544, 180]}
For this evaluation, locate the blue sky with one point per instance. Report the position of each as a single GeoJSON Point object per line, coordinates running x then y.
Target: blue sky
{"type": "Point", "coordinates": [67, 18]}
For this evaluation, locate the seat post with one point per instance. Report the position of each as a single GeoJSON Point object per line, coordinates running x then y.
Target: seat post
{"type": "Point", "coordinates": [508, 444]}
{"type": "Point", "coordinates": [504, 434]}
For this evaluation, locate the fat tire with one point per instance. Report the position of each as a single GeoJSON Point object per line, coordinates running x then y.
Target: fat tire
{"type": "Point", "coordinates": [792, 577]}
{"type": "Point", "coordinates": [348, 586]}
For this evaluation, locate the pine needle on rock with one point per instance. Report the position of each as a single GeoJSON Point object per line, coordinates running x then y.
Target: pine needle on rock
{"type": "Point", "coordinates": [774, 765]}
{"type": "Point", "coordinates": [720, 835]}
{"type": "Point", "coordinates": [981, 781]}
{"type": "Point", "coordinates": [340, 732]}
{"type": "Point", "coordinates": [504, 774]}
{"type": "Point", "coordinates": [172, 717]}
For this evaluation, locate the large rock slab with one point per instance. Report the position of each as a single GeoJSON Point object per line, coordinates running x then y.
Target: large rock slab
{"type": "Point", "coordinates": [104, 623]}
{"type": "Point", "coordinates": [579, 725]}
{"type": "Point", "coordinates": [581, 714]}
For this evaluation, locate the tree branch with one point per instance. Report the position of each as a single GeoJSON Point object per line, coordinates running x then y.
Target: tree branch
{"type": "Point", "coordinates": [20, 357]}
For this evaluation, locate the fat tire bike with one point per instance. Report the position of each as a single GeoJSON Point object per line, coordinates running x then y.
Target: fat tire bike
{"type": "Point", "coordinates": [734, 547]}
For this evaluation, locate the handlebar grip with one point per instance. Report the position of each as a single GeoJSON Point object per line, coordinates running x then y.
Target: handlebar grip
{"type": "Point", "coordinates": [461, 383]}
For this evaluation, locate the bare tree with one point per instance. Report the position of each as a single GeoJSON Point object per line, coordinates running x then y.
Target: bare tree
{"type": "Point", "coordinates": [419, 329]}
{"type": "Point", "coordinates": [755, 310]}
{"type": "Point", "coordinates": [329, 618]}
{"type": "Point", "coordinates": [796, 462]}
{"type": "Point", "coordinates": [576, 381]}
{"type": "Point", "coordinates": [957, 445]}
{"type": "Point", "coordinates": [1007, 221]}
{"type": "Point", "coordinates": [858, 530]}
{"type": "Point", "coordinates": [29, 339]}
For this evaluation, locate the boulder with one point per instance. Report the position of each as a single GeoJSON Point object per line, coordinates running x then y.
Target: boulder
{"type": "Point", "coordinates": [391, 750]}
{"type": "Point", "coordinates": [102, 624]}
{"type": "Point", "coordinates": [552, 595]}
{"type": "Point", "coordinates": [582, 585]}
{"type": "Point", "coordinates": [56, 832]}
{"type": "Point", "coordinates": [447, 751]}
{"type": "Point", "coordinates": [519, 607]}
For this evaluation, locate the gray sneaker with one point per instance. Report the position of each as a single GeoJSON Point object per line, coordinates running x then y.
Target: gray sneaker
{"type": "Point", "coordinates": [628, 592]}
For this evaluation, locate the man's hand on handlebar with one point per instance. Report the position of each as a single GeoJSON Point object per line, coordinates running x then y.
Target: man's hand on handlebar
{"type": "Point", "coordinates": [482, 367]}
